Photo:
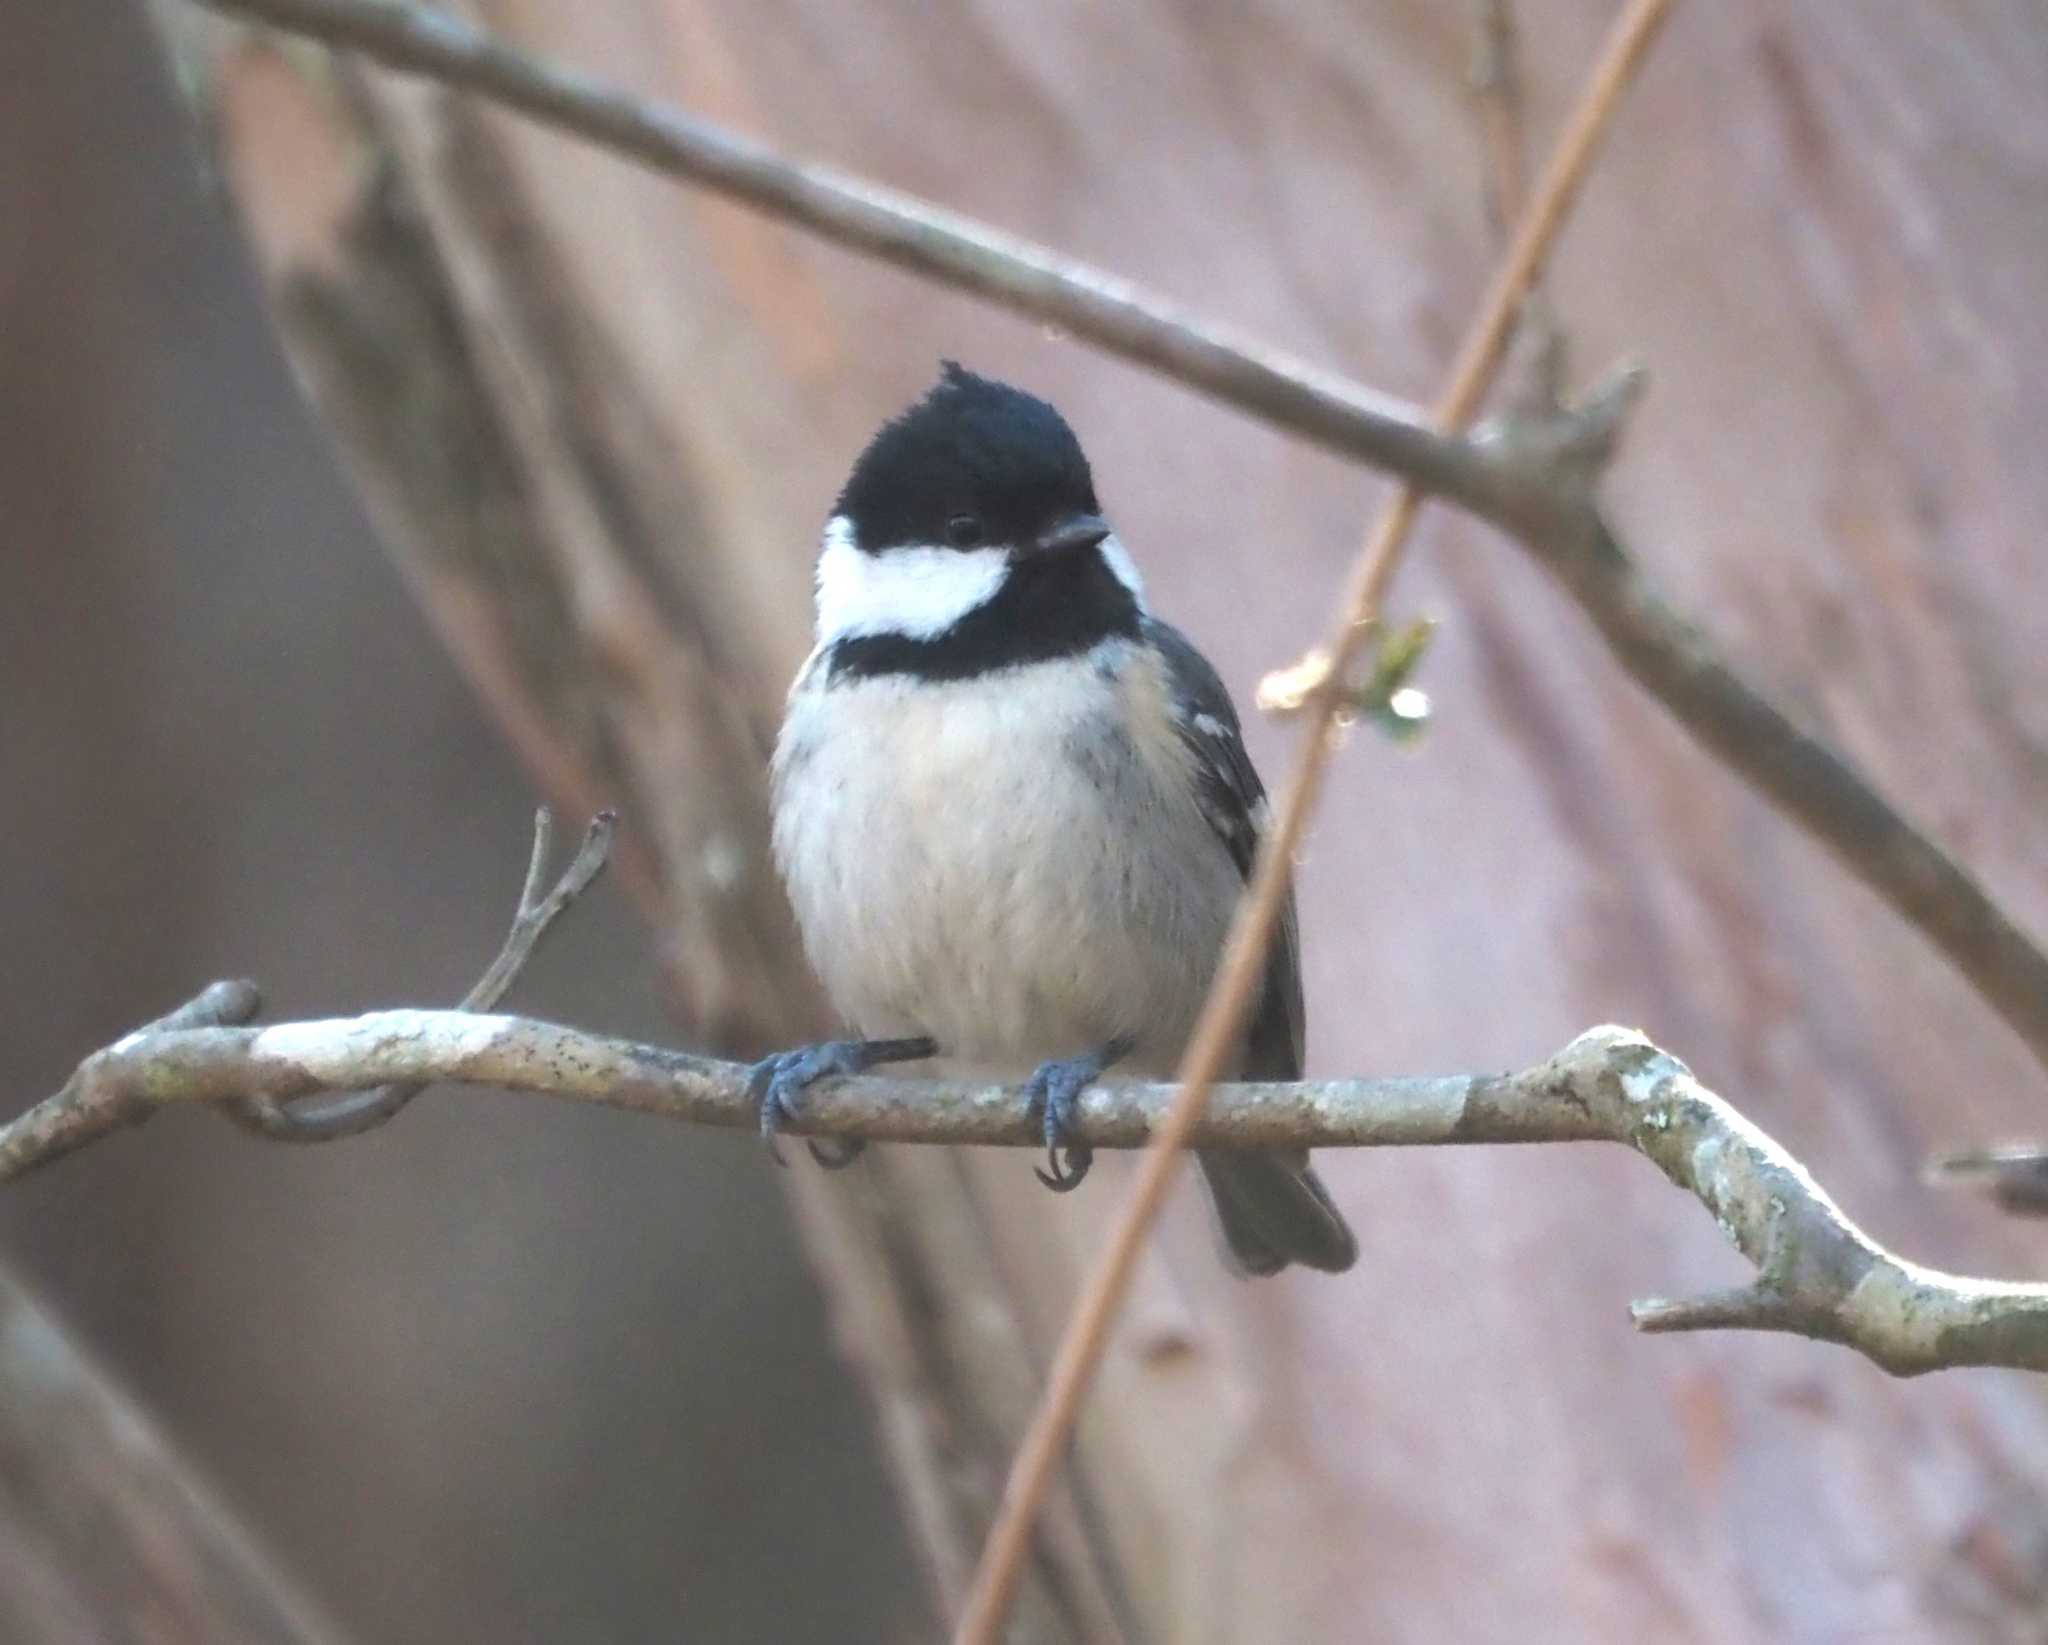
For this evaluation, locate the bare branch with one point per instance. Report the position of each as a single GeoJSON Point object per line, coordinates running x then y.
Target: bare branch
{"type": "Point", "coordinates": [538, 909]}
{"type": "Point", "coordinates": [2014, 1176]}
{"type": "Point", "coordinates": [1550, 512]}
{"type": "Point", "coordinates": [1818, 1274]}
{"type": "Point", "coordinates": [218, 1005]}
{"type": "Point", "coordinates": [1495, 77]}
{"type": "Point", "coordinates": [1754, 1307]}
{"type": "Point", "coordinates": [1496, 81]}
{"type": "Point", "coordinates": [881, 222]}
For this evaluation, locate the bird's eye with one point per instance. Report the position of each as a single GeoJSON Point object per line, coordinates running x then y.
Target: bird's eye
{"type": "Point", "coordinates": [964, 530]}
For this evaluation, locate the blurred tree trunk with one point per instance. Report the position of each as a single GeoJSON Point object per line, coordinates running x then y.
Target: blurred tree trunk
{"type": "Point", "coordinates": [104, 1537]}
{"type": "Point", "coordinates": [600, 417]}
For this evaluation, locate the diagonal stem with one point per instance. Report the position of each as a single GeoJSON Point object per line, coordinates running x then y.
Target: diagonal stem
{"type": "Point", "coordinates": [1221, 1024]}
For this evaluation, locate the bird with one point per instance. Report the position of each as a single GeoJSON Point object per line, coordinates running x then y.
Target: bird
{"type": "Point", "coordinates": [1013, 809]}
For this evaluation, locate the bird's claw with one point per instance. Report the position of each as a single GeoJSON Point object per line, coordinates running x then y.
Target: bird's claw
{"type": "Point", "coordinates": [776, 1085]}
{"type": "Point", "coordinates": [836, 1153]}
{"type": "Point", "coordinates": [1065, 1180]}
{"type": "Point", "coordinates": [1054, 1093]}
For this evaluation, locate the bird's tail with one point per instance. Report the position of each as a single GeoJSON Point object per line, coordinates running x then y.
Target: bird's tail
{"type": "Point", "coordinates": [1275, 1210]}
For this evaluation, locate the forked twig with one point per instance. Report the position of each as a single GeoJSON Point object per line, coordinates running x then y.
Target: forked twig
{"type": "Point", "coordinates": [539, 907]}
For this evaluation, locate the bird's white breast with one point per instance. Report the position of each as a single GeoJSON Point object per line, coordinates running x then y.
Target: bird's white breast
{"type": "Point", "coordinates": [1014, 864]}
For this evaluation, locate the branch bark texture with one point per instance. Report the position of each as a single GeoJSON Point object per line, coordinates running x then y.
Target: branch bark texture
{"type": "Point", "coordinates": [1818, 1275]}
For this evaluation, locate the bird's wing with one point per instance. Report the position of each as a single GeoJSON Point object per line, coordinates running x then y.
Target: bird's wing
{"type": "Point", "coordinates": [1234, 801]}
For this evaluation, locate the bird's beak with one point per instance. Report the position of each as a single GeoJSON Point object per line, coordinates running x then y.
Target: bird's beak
{"type": "Point", "coordinates": [1073, 534]}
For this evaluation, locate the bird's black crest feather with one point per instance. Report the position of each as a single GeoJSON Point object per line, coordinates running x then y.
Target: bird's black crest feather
{"type": "Point", "coordinates": [971, 445]}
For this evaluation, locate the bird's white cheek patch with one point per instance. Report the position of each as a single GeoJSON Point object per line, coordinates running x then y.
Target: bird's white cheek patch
{"type": "Point", "coordinates": [916, 591]}
{"type": "Point", "coordinates": [1122, 567]}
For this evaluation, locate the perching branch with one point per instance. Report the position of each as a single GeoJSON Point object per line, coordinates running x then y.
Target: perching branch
{"type": "Point", "coordinates": [1818, 1275]}
{"type": "Point", "coordinates": [1533, 477]}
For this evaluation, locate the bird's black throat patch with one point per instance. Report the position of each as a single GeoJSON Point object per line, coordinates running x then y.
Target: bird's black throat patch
{"type": "Point", "coordinates": [1050, 605]}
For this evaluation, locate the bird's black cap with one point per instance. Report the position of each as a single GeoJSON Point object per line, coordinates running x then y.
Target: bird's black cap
{"type": "Point", "coordinates": [971, 446]}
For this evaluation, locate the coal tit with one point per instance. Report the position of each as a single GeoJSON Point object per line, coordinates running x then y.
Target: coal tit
{"type": "Point", "coordinates": [1013, 808]}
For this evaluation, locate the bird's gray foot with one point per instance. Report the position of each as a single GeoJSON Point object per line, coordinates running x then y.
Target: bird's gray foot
{"type": "Point", "coordinates": [1054, 1094]}
{"type": "Point", "coordinates": [777, 1084]}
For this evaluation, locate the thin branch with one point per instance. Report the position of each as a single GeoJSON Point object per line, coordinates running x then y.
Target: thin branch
{"type": "Point", "coordinates": [1753, 1307]}
{"type": "Point", "coordinates": [1509, 476]}
{"type": "Point", "coordinates": [883, 223]}
{"type": "Point", "coordinates": [1818, 1274]}
{"type": "Point", "coordinates": [218, 1005]}
{"type": "Point", "coordinates": [1496, 81]}
{"type": "Point", "coordinates": [1497, 85]}
{"type": "Point", "coordinates": [2014, 1176]}
{"type": "Point", "coordinates": [539, 907]}
{"type": "Point", "coordinates": [1218, 1032]}
{"type": "Point", "coordinates": [1479, 358]}
{"type": "Point", "coordinates": [70, 1119]}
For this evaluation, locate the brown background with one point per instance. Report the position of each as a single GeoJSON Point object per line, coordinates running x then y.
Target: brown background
{"type": "Point", "coordinates": [508, 1371]}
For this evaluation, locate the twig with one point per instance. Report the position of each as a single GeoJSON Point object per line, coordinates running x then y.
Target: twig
{"type": "Point", "coordinates": [1497, 84]}
{"type": "Point", "coordinates": [1818, 1274]}
{"type": "Point", "coordinates": [2014, 1176]}
{"type": "Point", "coordinates": [538, 909]}
{"type": "Point", "coordinates": [218, 1005]}
{"type": "Point", "coordinates": [1216, 1034]}
{"type": "Point", "coordinates": [1480, 355]}
{"type": "Point", "coordinates": [1496, 78]}
{"type": "Point", "coordinates": [1532, 480]}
